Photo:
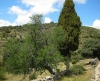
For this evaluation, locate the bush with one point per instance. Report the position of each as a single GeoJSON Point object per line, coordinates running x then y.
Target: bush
{"type": "Point", "coordinates": [77, 69]}
{"type": "Point", "coordinates": [74, 61]}
{"type": "Point", "coordinates": [91, 48]}
{"type": "Point", "coordinates": [31, 77]}
{"type": "Point", "coordinates": [2, 73]}
{"type": "Point", "coordinates": [76, 57]}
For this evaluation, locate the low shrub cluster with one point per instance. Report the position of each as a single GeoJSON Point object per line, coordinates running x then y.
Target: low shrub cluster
{"type": "Point", "coordinates": [76, 57]}
{"type": "Point", "coordinates": [77, 69]}
{"type": "Point", "coordinates": [2, 73]}
{"type": "Point", "coordinates": [31, 77]}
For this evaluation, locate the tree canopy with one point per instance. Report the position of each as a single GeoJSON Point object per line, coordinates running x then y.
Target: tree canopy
{"type": "Point", "coordinates": [36, 53]}
{"type": "Point", "coordinates": [71, 23]}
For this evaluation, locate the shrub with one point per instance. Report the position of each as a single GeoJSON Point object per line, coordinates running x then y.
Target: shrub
{"type": "Point", "coordinates": [2, 73]}
{"type": "Point", "coordinates": [91, 48]}
{"type": "Point", "coordinates": [58, 70]}
{"type": "Point", "coordinates": [77, 69]}
{"type": "Point", "coordinates": [76, 57]}
{"type": "Point", "coordinates": [74, 61]}
{"type": "Point", "coordinates": [31, 77]}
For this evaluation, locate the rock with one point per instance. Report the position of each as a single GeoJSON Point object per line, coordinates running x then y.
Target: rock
{"type": "Point", "coordinates": [59, 75]}
{"type": "Point", "coordinates": [94, 61]}
{"type": "Point", "coordinates": [52, 78]}
{"type": "Point", "coordinates": [33, 80]}
{"type": "Point", "coordinates": [49, 78]}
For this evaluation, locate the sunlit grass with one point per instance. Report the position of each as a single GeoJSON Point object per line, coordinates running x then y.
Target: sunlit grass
{"type": "Point", "coordinates": [84, 77]}
{"type": "Point", "coordinates": [11, 77]}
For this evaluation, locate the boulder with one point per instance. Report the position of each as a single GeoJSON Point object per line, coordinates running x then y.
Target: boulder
{"type": "Point", "coordinates": [94, 61]}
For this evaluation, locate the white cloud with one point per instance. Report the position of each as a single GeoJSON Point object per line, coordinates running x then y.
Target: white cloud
{"type": "Point", "coordinates": [42, 2]}
{"type": "Point", "coordinates": [47, 20]}
{"type": "Point", "coordinates": [80, 1]}
{"type": "Point", "coordinates": [96, 24]}
{"type": "Point", "coordinates": [43, 6]}
{"type": "Point", "coordinates": [37, 7]}
{"type": "Point", "coordinates": [23, 15]}
{"type": "Point", "coordinates": [42, 9]}
{"type": "Point", "coordinates": [17, 10]}
{"type": "Point", "coordinates": [6, 23]}
{"type": "Point", "coordinates": [22, 19]}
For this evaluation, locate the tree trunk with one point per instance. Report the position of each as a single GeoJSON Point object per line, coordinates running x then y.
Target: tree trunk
{"type": "Point", "coordinates": [68, 61]}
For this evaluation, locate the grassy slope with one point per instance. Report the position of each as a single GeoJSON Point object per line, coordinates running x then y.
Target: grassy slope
{"type": "Point", "coordinates": [83, 77]}
{"type": "Point", "coordinates": [86, 34]}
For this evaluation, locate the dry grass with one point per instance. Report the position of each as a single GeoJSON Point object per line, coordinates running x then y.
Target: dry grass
{"type": "Point", "coordinates": [84, 77]}
{"type": "Point", "coordinates": [10, 77]}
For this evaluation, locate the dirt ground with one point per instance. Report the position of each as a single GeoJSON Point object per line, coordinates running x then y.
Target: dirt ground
{"type": "Point", "coordinates": [96, 74]}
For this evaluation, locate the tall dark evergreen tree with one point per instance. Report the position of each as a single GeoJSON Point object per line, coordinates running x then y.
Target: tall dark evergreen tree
{"type": "Point", "coordinates": [71, 23]}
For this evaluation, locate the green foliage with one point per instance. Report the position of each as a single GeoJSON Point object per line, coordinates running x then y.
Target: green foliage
{"type": "Point", "coordinates": [75, 57]}
{"type": "Point", "coordinates": [2, 72]}
{"type": "Point", "coordinates": [11, 58]}
{"type": "Point", "coordinates": [91, 33]}
{"type": "Point", "coordinates": [77, 69]}
{"type": "Point", "coordinates": [90, 48]}
{"type": "Point", "coordinates": [71, 23]}
{"type": "Point", "coordinates": [60, 35]}
{"type": "Point", "coordinates": [4, 35]}
{"type": "Point", "coordinates": [37, 52]}
{"type": "Point", "coordinates": [20, 57]}
{"type": "Point", "coordinates": [74, 61]}
{"type": "Point", "coordinates": [36, 19]}
{"type": "Point", "coordinates": [31, 77]}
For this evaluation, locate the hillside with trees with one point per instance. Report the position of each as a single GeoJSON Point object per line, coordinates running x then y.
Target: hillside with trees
{"type": "Point", "coordinates": [88, 44]}
{"type": "Point", "coordinates": [34, 48]}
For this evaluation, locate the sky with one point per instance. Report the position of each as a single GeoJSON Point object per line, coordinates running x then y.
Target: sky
{"type": "Point", "coordinates": [17, 12]}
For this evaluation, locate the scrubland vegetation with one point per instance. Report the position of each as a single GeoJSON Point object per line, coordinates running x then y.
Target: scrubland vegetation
{"type": "Point", "coordinates": [85, 37]}
{"type": "Point", "coordinates": [30, 50]}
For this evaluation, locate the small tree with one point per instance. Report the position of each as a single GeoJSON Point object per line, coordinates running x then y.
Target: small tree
{"type": "Point", "coordinates": [71, 23]}
{"type": "Point", "coordinates": [38, 50]}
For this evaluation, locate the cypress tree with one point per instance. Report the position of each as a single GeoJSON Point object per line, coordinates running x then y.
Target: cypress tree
{"type": "Point", "coordinates": [71, 23]}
